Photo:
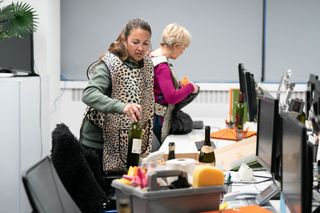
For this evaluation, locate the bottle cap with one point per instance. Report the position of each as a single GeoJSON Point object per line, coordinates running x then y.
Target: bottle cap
{"type": "Point", "coordinates": [171, 143]}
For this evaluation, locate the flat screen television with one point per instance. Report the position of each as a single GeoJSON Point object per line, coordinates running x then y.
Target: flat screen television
{"type": "Point", "coordinates": [297, 166]}
{"type": "Point", "coordinates": [251, 95]}
{"type": "Point", "coordinates": [17, 55]}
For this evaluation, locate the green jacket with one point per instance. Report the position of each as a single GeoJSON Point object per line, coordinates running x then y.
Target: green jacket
{"type": "Point", "coordinates": [97, 95]}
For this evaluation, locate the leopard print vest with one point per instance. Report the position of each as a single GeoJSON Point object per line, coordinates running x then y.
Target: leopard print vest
{"type": "Point", "coordinates": [129, 86]}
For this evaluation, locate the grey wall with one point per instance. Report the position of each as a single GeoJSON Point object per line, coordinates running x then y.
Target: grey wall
{"type": "Point", "coordinates": [224, 33]}
{"type": "Point", "coordinates": [292, 39]}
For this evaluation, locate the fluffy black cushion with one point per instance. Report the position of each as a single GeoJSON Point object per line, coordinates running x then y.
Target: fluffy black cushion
{"type": "Point", "coordinates": [74, 171]}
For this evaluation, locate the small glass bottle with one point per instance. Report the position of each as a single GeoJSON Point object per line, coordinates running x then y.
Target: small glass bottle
{"type": "Point", "coordinates": [134, 145]}
{"type": "Point", "coordinates": [207, 155]}
{"type": "Point", "coordinates": [124, 206]}
{"type": "Point", "coordinates": [240, 112]}
{"type": "Point", "coordinates": [171, 154]}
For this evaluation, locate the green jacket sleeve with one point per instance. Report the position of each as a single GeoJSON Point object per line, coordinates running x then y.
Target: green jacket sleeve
{"type": "Point", "coordinates": [97, 94]}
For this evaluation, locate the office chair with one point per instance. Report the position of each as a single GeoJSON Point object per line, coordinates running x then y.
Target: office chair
{"type": "Point", "coordinates": [78, 171]}
{"type": "Point", "coordinates": [45, 190]}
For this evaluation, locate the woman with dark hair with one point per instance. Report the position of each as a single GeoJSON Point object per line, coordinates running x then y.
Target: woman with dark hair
{"type": "Point", "coordinates": [119, 92]}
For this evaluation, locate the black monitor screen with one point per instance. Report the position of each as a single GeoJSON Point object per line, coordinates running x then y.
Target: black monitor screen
{"type": "Point", "coordinates": [251, 96]}
{"type": "Point", "coordinates": [296, 166]}
{"type": "Point", "coordinates": [267, 149]}
{"type": "Point", "coordinates": [310, 90]}
{"type": "Point", "coordinates": [241, 72]}
{"type": "Point", "coordinates": [16, 54]}
{"type": "Point", "coordinates": [316, 97]}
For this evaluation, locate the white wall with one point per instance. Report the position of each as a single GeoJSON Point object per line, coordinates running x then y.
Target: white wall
{"type": "Point", "coordinates": [47, 48]}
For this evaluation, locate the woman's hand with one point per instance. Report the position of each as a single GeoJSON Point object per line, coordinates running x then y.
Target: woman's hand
{"type": "Point", "coordinates": [195, 88]}
{"type": "Point", "coordinates": [133, 111]}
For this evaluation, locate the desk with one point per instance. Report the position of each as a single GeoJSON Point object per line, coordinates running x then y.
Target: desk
{"type": "Point", "coordinates": [229, 154]}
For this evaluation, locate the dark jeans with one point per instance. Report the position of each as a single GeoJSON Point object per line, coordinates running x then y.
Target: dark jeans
{"type": "Point", "coordinates": [98, 152]}
{"type": "Point", "coordinates": [157, 126]}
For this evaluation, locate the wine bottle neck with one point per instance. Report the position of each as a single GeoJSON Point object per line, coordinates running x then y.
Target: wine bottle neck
{"type": "Point", "coordinates": [207, 136]}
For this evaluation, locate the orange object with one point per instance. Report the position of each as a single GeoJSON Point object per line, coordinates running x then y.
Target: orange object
{"type": "Point", "coordinates": [205, 175]}
{"type": "Point", "coordinates": [232, 134]}
{"type": "Point", "coordinates": [246, 209]}
{"type": "Point", "coordinates": [184, 81]}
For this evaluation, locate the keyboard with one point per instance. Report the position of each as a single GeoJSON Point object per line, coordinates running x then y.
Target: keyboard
{"type": "Point", "coordinates": [240, 203]}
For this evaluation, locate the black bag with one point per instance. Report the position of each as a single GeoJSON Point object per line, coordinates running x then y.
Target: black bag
{"type": "Point", "coordinates": [186, 101]}
{"type": "Point", "coordinates": [181, 122]}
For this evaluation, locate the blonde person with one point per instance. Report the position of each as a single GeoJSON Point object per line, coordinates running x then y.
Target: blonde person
{"type": "Point", "coordinates": [120, 91]}
{"type": "Point", "coordinates": [168, 91]}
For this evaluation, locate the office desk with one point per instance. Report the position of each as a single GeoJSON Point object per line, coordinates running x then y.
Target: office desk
{"type": "Point", "coordinates": [229, 154]}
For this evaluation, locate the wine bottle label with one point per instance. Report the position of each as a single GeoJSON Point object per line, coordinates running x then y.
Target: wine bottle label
{"type": "Point", "coordinates": [136, 146]}
{"type": "Point", "coordinates": [207, 149]}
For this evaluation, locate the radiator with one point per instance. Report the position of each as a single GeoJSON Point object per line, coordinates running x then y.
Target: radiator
{"type": "Point", "coordinates": [205, 97]}
{"type": "Point", "coordinates": [212, 102]}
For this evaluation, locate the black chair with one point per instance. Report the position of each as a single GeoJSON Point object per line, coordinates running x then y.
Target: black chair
{"type": "Point", "coordinates": [45, 190]}
{"type": "Point", "coordinates": [80, 171]}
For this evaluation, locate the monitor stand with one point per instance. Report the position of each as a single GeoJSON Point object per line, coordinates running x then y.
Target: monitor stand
{"type": "Point", "coordinates": [5, 73]}
{"type": "Point", "coordinates": [272, 191]}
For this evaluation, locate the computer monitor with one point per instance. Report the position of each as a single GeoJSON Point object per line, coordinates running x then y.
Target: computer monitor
{"type": "Point", "coordinates": [297, 176]}
{"type": "Point", "coordinates": [268, 148]}
{"type": "Point", "coordinates": [316, 97]}
{"type": "Point", "coordinates": [309, 94]}
{"type": "Point", "coordinates": [242, 84]}
{"type": "Point", "coordinates": [251, 96]}
{"type": "Point", "coordinates": [17, 55]}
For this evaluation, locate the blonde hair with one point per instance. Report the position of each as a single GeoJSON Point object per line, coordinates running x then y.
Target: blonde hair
{"type": "Point", "coordinates": [175, 34]}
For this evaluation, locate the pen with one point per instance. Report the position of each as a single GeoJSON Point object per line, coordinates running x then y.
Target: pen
{"type": "Point", "coordinates": [229, 179]}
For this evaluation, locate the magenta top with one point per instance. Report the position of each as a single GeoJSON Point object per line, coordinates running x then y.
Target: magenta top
{"type": "Point", "coordinates": [164, 90]}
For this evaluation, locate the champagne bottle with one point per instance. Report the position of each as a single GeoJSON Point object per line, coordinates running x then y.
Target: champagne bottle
{"type": "Point", "coordinates": [240, 112]}
{"type": "Point", "coordinates": [207, 153]}
{"type": "Point", "coordinates": [124, 206]}
{"type": "Point", "coordinates": [134, 144]}
{"type": "Point", "coordinates": [171, 154]}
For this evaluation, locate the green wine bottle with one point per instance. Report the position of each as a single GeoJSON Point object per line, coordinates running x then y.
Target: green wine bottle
{"type": "Point", "coordinates": [207, 155]}
{"type": "Point", "coordinates": [134, 145]}
{"type": "Point", "coordinates": [171, 154]}
{"type": "Point", "coordinates": [240, 112]}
